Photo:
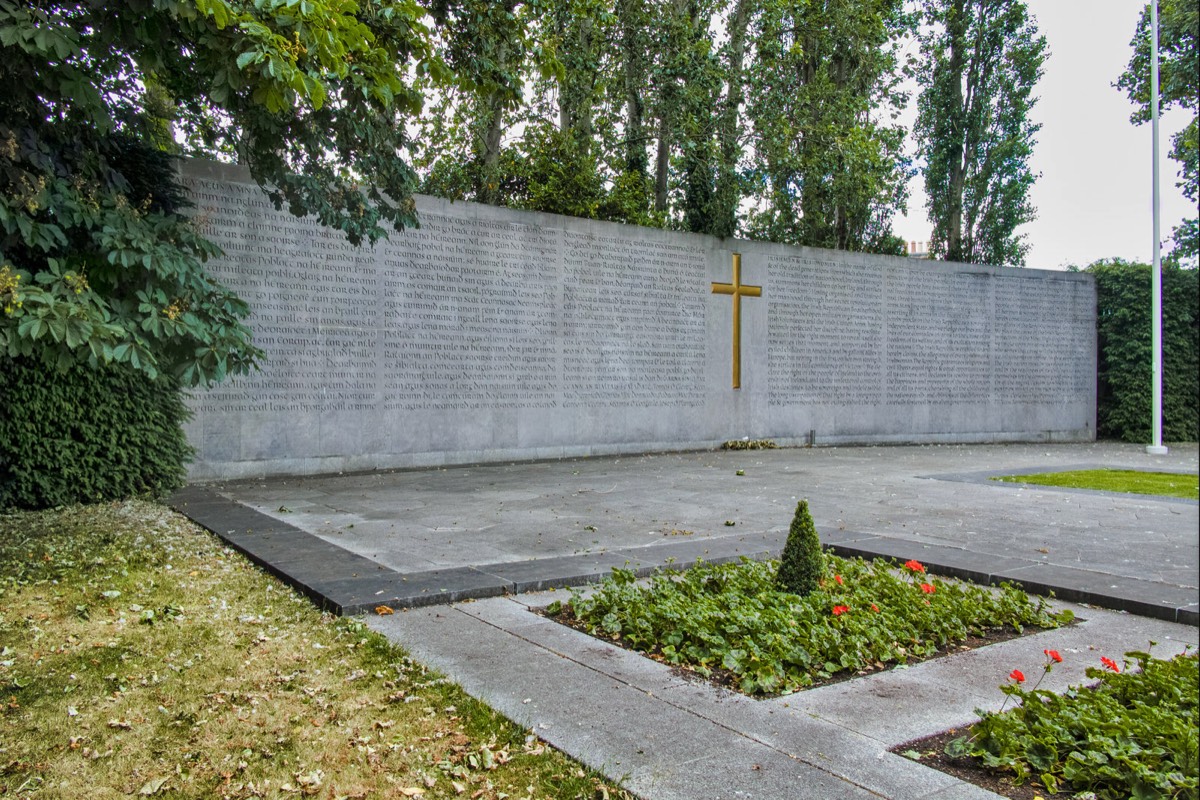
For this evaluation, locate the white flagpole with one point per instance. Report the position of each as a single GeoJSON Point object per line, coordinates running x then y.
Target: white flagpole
{"type": "Point", "coordinates": [1156, 446]}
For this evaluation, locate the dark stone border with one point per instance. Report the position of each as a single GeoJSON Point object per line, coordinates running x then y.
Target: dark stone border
{"type": "Point", "coordinates": [1144, 598]}
{"type": "Point", "coordinates": [985, 477]}
{"type": "Point", "coordinates": [347, 583]}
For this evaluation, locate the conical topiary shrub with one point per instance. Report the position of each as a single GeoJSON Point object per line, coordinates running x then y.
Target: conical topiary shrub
{"type": "Point", "coordinates": [803, 563]}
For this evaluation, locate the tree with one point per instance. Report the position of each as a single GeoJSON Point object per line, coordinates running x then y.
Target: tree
{"type": "Point", "coordinates": [980, 60]}
{"type": "Point", "coordinates": [99, 264]}
{"type": "Point", "coordinates": [824, 84]}
{"type": "Point", "coordinates": [1179, 85]}
{"type": "Point", "coordinates": [802, 564]}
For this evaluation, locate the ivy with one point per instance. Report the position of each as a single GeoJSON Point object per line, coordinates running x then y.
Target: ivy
{"type": "Point", "coordinates": [1124, 390]}
{"type": "Point", "coordinates": [87, 435]}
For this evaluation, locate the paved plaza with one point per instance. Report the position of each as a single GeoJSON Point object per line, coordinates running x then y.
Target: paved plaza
{"type": "Point", "coordinates": [466, 551]}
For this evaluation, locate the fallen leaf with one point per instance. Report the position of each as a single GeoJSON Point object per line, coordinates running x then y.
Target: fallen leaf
{"type": "Point", "coordinates": [153, 787]}
{"type": "Point", "coordinates": [411, 791]}
{"type": "Point", "coordinates": [383, 611]}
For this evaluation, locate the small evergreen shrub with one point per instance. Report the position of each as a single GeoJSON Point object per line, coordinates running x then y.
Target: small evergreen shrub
{"type": "Point", "coordinates": [87, 435]}
{"type": "Point", "coordinates": [802, 564]}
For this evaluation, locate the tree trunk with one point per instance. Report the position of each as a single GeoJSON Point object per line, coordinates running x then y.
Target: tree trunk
{"type": "Point", "coordinates": [956, 27]}
{"type": "Point", "coordinates": [661, 162]}
{"type": "Point", "coordinates": [634, 69]}
{"type": "Point", "coordinates": [726, 196]}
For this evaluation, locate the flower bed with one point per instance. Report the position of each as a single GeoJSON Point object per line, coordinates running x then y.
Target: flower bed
{"type": "Point", "coordinates": [1131, 734]}
{"type": "Point", "coordinates": [731, 620]}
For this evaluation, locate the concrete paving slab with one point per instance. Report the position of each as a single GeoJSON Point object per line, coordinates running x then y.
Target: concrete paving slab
{"type": "Point", "coordinates": [962, 791]}
{"type": "Point", "coordinates": [869, 501]}
{"type": "Point", "coordinates": [447, 535]}
{"type": "Point", "coordinates": [435, 587]}
{"type": "Point", "coordinates": [742, 770]}
{"type": "Point", "coordinates": [549, 677]}
{"type": "Point", "coordinates": [548, 573]}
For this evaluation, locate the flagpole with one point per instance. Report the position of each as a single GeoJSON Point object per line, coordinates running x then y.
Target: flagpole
{"type": "Point", "coordinates": [1155, 448]}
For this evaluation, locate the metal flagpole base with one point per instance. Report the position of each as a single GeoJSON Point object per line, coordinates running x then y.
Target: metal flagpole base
{"type": "Point", "coordinates": [1156, 450]}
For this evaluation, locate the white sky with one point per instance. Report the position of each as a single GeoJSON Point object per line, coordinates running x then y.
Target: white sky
{"type": "Point", "coordinates": [1093, 196]}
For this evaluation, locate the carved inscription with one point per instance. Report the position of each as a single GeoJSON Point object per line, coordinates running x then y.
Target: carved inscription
{"type": "Point", "coordinates": [873, 334]}
{"type": "Point", "coordinates": [825, 332]}
{"type": "Point", "coordinates": [314, 299]}
{"type": "Point", "coordinates": [470, 316]}
{"type": "Point", "coordinates": [633, 322]}
{"type": "Point", "coordinates": [938, 336]}
{"type": "Point", "coordinates": [459, 314]}
{"type": "Point", "coordinates": [1041, 347]}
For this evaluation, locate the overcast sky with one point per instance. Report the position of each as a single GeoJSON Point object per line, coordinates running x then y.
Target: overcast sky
{"type": "Point", "coordinates": [1093, 196]}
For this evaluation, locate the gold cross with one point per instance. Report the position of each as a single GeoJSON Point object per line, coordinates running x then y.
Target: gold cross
{"type": "Point", "coordinates": [738, 291]}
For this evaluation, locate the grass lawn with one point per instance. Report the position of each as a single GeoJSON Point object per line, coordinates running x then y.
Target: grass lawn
{"type": "Point", "coordinates": [140, 657]}
{"type": "Point", "coordinates": [1168, 484]}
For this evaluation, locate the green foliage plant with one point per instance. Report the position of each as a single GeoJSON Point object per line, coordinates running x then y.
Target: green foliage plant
{"type": "Point", "coordinates": [98, 262]}
{"type": "Point", "coordinates": [749, 444]}
{"type": "Point", "coordinates": [980, 61]}
{"type": "Point", "coordinates": [1133, 734]}
{"type": "Point", "coordinates": [732, 619]}
{"type": "Point", "coordinates": [1123, 388]}
{"type": "Point", "coordinates": [1179, 87]}
{"type": "Point", "coordinates": [88, 435]}
{"type": "Point", "coordinates": [802, 565]}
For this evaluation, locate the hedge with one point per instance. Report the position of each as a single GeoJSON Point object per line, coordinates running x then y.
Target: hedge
{"type": "Point", "coordinates": [87, 435]}
{"type": "Point", "coordinates": [1123, 381]}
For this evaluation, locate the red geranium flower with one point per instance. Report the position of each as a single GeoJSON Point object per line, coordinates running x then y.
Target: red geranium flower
{"type": "Point", "coordinates": [838, 578]}
{"type": "Point", "coordinates": [1017, 676]}
{"type": "Point", "coordinates": [1108, 662]}
{"type": "Point", "coordinates": [1053, 656]}
{"type": "Point", "coordinates": [927, 588]}
{"type": "Point", "coordinates": [914, 565]}
{"type": "Point", "coordinates": [839, 610]}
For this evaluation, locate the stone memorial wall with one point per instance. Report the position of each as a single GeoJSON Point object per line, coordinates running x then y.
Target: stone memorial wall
{"type": "Point", "coordinates": [490, 334]}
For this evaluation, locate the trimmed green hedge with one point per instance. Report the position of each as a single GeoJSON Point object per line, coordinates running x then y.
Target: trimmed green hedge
{"type": "Point", "coordinates": [87, 435]}
{"type": "Point", "coordinates": [1123, 391]}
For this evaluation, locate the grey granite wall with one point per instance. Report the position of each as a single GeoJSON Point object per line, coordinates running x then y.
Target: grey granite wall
{"type": "Point", "coordinates": [491, 334]}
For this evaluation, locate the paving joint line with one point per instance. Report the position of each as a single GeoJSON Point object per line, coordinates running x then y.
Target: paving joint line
{"type": "Point", "coordinates": [721, 725]}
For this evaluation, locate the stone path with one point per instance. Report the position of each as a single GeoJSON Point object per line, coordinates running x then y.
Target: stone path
{"type": "Point", "coordinates": [427, 540]}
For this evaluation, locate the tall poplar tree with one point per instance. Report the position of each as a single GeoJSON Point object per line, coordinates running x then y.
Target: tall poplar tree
{"type": "Point", "coordinates": [1179, 86]}
{"type": "Point", "coordinates": [823, 85]}
{"type": "Point", "coordinates": [980, 61]}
